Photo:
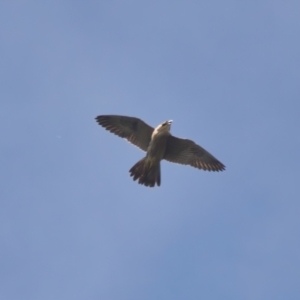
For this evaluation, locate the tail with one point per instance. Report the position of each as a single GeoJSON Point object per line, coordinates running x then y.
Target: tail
{"type": "Point", "coordinates": [147, 171]}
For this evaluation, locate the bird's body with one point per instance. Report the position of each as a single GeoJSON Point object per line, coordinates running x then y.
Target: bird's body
{"type": "Point", "coordinates": [147, 170]}
{"type": "Point", "coordinates": [159, 144]}
{"type": "Point", "coordinates": [159, 137]}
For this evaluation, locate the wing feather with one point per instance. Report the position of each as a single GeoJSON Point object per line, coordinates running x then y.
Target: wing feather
{"type": "Point", "coordinates": [187, 152]}
{"type": "Point", "coordinates": [133, 129]}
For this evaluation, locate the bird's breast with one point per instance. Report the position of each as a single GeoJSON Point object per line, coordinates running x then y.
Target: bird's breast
{"type": "Point", "coordinates": [157, 146]}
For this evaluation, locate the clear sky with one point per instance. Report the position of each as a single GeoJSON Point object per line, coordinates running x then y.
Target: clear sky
{"type": "Point", "coordinates": [74, 225]}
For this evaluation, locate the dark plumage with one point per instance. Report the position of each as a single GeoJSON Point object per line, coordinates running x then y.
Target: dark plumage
{"type": "Point", "coordinates": [159, 144]}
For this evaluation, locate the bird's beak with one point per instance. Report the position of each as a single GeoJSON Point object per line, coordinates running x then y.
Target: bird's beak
{"type": "Point", "coordinates": [170, 122]}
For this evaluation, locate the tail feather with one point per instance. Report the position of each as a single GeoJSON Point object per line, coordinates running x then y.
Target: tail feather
{"type": "Point", "coordinates": [147, 172]}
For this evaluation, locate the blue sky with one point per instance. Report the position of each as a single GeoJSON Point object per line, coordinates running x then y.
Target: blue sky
{"type": "Point", "coordinates": [73, 224]}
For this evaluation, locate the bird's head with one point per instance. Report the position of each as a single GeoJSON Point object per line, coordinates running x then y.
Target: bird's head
{"type": "Point", "coordinates": [163, 127]}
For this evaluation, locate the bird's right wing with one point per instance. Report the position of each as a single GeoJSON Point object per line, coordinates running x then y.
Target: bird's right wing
{"type": "Point", "coordinates": [186, 152]}
{"type": "Point", "coordinates": [133, 129]}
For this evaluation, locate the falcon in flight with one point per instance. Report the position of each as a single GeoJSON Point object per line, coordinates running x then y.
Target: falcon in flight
{"type": "Point", "coordinates": [159, 144]}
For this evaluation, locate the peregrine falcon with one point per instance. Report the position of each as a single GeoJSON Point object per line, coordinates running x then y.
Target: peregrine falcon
{"type": "Point", "coordinates": [159, 144]}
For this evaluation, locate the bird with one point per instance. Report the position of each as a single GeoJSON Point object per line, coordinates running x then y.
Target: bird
{"type": "Point", "coordinates": [158, 143]}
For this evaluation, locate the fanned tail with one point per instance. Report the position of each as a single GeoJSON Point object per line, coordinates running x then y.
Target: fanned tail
{"type": "Point", "coordinates": [147, 172]}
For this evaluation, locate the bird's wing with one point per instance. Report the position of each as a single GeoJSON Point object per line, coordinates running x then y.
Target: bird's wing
{"type": "Point", "coordinates": [187, 152]}
{"type": "Point", "coordinates": [134, 130]}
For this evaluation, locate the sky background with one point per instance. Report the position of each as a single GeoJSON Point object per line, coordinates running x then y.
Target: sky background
{"type": "Point", "coordinates": [73, 224]}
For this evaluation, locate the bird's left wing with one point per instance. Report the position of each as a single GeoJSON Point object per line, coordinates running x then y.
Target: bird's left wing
{"type": "Point", "coordinates": [133, 129]}
{"type": "Point", "coordinates": [187, 152]}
